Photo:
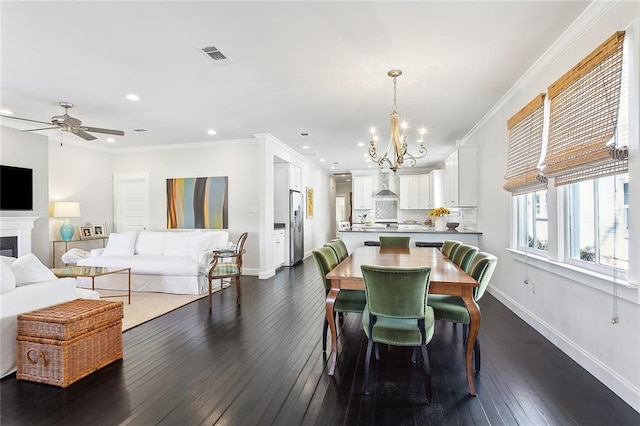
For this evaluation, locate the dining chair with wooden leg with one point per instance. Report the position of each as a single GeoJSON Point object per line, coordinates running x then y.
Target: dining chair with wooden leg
{"type": "Point", "coordinates": [453, 309]}
{"type": "Point", "coordinates": [397, 313]}
{"type": "Point", "coordinates": [347, 300]}
{"type": "Point", "coordinates": [339, 249]}
{"type": "Point", "coordinates": [388, 241]}
{"type": "Point", "coordinates": [463, 256]}
{"type": "Point", "coordinates": [449, 247]}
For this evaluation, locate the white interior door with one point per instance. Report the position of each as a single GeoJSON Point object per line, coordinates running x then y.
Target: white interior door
{"type": "Point", "coordinates": [131, 201]}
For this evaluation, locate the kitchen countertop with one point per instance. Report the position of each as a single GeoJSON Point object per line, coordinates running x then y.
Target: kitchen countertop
{"type": "Point", "coordinates": [405, 229]}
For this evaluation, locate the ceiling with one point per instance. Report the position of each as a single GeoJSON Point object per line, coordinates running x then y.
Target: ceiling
{"type": "Point", "coordinates": [297, 67]}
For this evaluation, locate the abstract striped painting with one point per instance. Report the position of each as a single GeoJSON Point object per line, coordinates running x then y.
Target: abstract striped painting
{"type": "Point", "coordinates": [197, 203]}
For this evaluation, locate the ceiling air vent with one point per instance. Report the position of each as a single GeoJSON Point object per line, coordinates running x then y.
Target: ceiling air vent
{"type": "Point", "coordinates": [216, 55]}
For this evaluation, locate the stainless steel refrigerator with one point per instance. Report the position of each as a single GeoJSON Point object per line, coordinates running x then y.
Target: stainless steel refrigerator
{"type": "Point", "coordinates": [296, 240]}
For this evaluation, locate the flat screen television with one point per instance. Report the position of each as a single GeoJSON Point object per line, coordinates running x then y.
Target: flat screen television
{"type": "Point", "coordinates": [16, 188]}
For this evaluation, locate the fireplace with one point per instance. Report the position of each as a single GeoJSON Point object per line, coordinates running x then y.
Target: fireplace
{"type": "Point", "coordinates": [9, 246]}
{"type": "Point", "coordinates": [15, 235]}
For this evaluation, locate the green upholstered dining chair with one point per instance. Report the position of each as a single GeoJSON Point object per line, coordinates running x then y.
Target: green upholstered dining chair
{"type": "Point", "coordinates": [387, 241]}
{"type": "Point", "coordinates": [397, 313]}
{"type": "Point", "coordinates": [226, 265]}
{"type": "Point", "coordinates": [453, 309]}
{"type": "Point", "coordinates": [463, 256]}
{"type": "Point", "coordinates": [449, 247]}
{"type": "Point", "coordinates": [339, 249]}
{"type": "Point", "coordinates": [347, 300]}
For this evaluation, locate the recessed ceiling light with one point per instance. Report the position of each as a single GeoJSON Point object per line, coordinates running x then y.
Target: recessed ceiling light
{"type": "Point", "coordinates": [6, 111]}
{"type": "Point", "coordinates": [360, 143]}
{"type": "Point", "coordinates": [365, 155]}
{"type": "Point", "coordinates": [332, 168]}
{"type": "Point", "coordinates": [211, 132]}
{"type": "Point", "coordinates": [111, 140]}
{"type": "Point", "coordinates": [305, 147]}
{"type": "Point", "coordinates": [369, 166]}
{"type": "Point", "coordinates": [348, 180]}
{"type": "Point", "coordinates": [133, 97]}
{"type": "Point", "coordinates": [322, 160]}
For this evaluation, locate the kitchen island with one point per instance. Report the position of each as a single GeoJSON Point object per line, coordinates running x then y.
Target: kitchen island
{"type": "Point", "coordinates": [358, 234]}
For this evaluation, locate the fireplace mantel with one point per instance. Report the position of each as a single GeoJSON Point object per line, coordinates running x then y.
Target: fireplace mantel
{"type": "Point", "coordinates": [20, 227]}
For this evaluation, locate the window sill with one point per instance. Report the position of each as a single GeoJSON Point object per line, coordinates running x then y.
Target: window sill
{"type": "Point", "coordinates": [601, 282]}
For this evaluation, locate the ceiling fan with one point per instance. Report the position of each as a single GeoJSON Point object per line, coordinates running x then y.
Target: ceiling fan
{"type": "Point", "coordinates": [69, 124]}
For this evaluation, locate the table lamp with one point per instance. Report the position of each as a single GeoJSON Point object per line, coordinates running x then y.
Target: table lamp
{"type": "Point", "coordinates": [66, 209]}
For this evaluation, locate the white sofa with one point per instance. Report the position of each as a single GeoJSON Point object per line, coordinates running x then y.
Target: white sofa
{"type": "Point", "coordinates": [30, 287]}
{"type": "Point", "coordinates": [160, 261]}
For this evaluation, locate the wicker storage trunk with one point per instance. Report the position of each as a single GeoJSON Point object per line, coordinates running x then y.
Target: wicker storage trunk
{"type": "Point", "coordinates": [61, 344]}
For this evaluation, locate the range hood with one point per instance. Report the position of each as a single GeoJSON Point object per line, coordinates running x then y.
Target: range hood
{"type": "Point", "coordinates": [385, 192]}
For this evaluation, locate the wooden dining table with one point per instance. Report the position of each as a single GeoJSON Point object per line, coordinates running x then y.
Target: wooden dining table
{"type": "Point", "coordinates": [446, 278]}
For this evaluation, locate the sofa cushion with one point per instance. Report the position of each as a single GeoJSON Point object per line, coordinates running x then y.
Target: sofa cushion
{"type": "Point", "coordinates": [176, 244]}
{"type": "Point", "coordinates": [145, 264]}
{"type": "Point", "coordinates": [28, 270]}
{"type": "Point", "coordinates": [8, 279]}
{"type": "Point", "coordinates": [120, 244]}
{"type": "Point", "coordinates": [150, 242]}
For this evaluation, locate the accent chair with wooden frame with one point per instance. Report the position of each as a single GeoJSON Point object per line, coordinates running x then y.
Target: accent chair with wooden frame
{"type": "Point", "coordinates": [221, 268]}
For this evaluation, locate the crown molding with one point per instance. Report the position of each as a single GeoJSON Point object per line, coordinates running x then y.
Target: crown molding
{"type": "Point", "coordinates": [587, 19]}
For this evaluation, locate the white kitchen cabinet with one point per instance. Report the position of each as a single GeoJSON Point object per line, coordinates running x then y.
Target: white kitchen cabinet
{"type": "Point", "coordinates": [424, 191]}
{"type": "Point", "coordinates": [295, 178]}
{"type": "Point", "coordinates": [436, 189]}
{"type": "Point", "coordinates": [362, 192]}
{"type": "Point", "coordinates": [279, 249]}
{"type": "Point", "coordinates": [461, 178]}
{"type": "Point", "coordinates": [409, 192]}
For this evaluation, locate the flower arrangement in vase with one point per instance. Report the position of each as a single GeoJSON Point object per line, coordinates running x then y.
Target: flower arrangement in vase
{"type": "Point", "coordinates": [439, 213]}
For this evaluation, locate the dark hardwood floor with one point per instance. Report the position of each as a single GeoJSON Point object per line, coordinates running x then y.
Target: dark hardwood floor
{"type": "Point", "coordinates": [263, 364]}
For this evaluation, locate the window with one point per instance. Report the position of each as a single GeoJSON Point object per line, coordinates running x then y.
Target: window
{"type": "Point", "coordinates": [533, 227]}
{"type": "Point", "coordinates": [598, 223]}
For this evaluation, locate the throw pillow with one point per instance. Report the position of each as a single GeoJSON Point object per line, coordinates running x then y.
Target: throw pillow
{"type": "Point", "coordinates": [176, 243]}
{"type": "Point", "coordinates": [8, 260]}
{"type": "Point", "coordinates": [198, 246]}
{"type": "Point", "coordinates": [150, 242]}
{"type": "Point", "coordinates": [120, 244]}
{"type": "Point", "coordinates": [8, 282]}
{"type": "Point", "coordinates": [28, 270]}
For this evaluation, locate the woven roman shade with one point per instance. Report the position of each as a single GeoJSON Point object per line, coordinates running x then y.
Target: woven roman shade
{"type": "Point", "coordinates": [583, 117]}
{"type": "Point", "coordinates": [525, 149]}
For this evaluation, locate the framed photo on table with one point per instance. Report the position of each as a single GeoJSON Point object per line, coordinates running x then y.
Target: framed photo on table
{"type": "Point", "coordinates": [86, 232]}
{"type": "Point", "coordinates": [99, 230]}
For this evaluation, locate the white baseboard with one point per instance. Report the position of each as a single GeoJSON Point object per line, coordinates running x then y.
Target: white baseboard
{"type": "Point", "coordinates": [618, 384]}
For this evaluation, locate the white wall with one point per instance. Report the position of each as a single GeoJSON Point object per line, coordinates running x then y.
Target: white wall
{"type": "Point", "coordinates": [30, 150]}
{"type": "Point", "coordinates": [83, 175]}
{"type": "Point", "coordinates": [573, 310]}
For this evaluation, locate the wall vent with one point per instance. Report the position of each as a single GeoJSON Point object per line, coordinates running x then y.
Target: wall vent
{"type": "Point", "coordinates": [216, 55]}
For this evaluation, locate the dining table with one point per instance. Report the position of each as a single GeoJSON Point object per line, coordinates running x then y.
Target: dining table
{"type": "Point", "coordinates": [446, 278]}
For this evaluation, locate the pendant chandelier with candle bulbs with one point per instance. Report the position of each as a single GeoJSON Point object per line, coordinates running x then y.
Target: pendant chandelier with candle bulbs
{"type": "Point", "coordinates": [395, 153]}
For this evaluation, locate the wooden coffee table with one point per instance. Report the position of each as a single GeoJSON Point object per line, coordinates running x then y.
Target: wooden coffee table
{"type": "Point", "coordinates": [93, 272]}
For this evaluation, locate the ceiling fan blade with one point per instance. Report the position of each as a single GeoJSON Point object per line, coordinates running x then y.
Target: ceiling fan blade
{"type": "Point", "coordinates": [25, 119]}
{"type": "Point", "coordinates": [107, 131]}
{"type": "Point", "coordinates": [84, 135]}
{"type": "Point", "coordinates": [42, 128]}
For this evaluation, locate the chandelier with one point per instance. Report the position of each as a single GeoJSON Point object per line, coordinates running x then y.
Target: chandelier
{"type": "Point", "coordinates": [395, 154]}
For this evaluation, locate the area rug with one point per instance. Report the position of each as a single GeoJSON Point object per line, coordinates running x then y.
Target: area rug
{"type": "Point", "coordinates": [147, 306]}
